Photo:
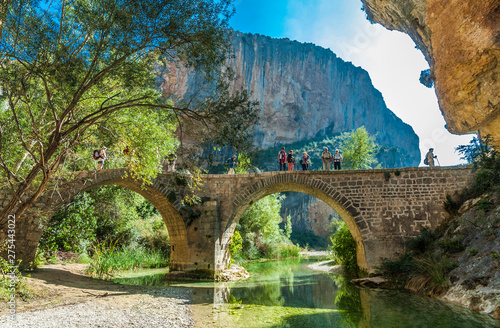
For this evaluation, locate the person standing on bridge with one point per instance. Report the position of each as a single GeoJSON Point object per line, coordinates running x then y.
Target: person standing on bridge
{"type": "Point", "coordinates": [326, 157]}
{"type": "Point", "coordinates": [305, 161]}
{"type": "Point", "coordinates": [102, 158]}
{"type": "Point", "coordinates": [231, 164]}
{"type": "Point", "coordinates": [290, 160]}
{"type": "Point", "coordinates": [282, 159]}
{"type": "Point", "coordinates": [337, 159]}
{"type": "Point", "coordinates": [429, 157]}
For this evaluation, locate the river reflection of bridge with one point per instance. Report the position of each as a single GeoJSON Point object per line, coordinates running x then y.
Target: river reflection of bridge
{"type": "Point", "coordinates": [295, 297]}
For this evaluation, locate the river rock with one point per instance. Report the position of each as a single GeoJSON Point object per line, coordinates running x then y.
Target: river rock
{"type": "Point", "coordinates": [378, 282]}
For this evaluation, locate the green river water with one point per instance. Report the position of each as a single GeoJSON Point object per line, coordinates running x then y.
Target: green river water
{"type": "Point", "coordinates": [288, 294]}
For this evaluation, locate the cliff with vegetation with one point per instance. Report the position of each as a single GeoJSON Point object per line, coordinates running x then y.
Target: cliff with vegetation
{"type": "Point", "coordinates": [461, 42]}
{"type": "Point", "coordinates": [304, 91]}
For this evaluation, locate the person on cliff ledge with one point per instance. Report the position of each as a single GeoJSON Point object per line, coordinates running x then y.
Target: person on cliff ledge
{"type": "Point", "coordinates": [326, 157]}
{"type": "Point", "coordinates": [429, 157]}
{"type": "Point", "coordinates": [282, 159]}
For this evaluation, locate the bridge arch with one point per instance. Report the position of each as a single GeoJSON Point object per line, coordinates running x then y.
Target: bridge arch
{"type": "Point", "coordinates": [180, 250]}
{"type": "Point", "coordinates": [344, 207]}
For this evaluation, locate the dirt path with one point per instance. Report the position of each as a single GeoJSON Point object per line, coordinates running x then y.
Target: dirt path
{"type": "Point", "coordinates": [68, 298]}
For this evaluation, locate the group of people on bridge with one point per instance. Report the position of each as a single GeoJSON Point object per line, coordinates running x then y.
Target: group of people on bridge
{"type": "Point", "coordinates": [286, 161]}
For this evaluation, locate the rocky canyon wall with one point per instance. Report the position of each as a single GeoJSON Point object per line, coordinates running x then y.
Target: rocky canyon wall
{"type": "Point", "coordinates": [304, 90]}
{"type": "Point", "coordinates": [461, 42]}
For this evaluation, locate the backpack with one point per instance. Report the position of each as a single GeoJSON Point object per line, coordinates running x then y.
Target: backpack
{"type": "Point", "coordinates": [97, 154]}
{"type": "Point", "coordinates": [426, 162]}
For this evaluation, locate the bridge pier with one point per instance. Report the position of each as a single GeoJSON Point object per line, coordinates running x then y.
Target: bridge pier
{"type": "Point", "coordinates": [207, 253]}
{"type": "Point", "coordinates": [28, 234]}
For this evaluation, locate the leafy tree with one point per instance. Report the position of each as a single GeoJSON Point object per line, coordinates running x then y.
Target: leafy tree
{"type": "Point", "coordinates": [77, 74]}
{"type": "Point", "coordinates": [485, 162]}
{"type": "Point", "coordinates": [359, 150]}
{"type": "Point", "coordinates": [72, 228]}
{"type": "Point", "coordinates": [344, 248]}
{"type": "Point", "coordinates": [243, 164]}
{"type": "Point", "coordinates": [260, 231]}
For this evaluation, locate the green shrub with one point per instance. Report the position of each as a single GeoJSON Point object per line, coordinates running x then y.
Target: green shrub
{"type": "Point", "coordinates": [344, 248]}
{"type": "Point", "coordinates": [260, 231]}
{"type": "Point", "coordinates": [452, 206]}
{"type": "Point", "coordinates": [72, 228]}
{"type": "Point", "coordinates": [452, 245]}
{"type": "Point", "coordinates": [12, 282]}
{"type": "Point", "coordinates": [402, 266]}
{"type": "Point", "coordinates": [421, 243]}
{"type": "Point", "coordinates": [288, 251]}
{"type": "Point", "coordinates": [309, 239]}
{"type": "Point", "coordinates": [108, 259]}
{"type": "Point", "coordinates": [494, 255]}
{"type": "Point", "coordinates": [236, 246]}
{"type": "Point", "coordinates": [485, 205]}
{"type": "Point", "coordinates": [472, 251]}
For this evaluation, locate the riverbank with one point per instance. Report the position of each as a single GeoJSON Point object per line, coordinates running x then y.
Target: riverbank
{"type": "Point", "coordinates": [68, 298]}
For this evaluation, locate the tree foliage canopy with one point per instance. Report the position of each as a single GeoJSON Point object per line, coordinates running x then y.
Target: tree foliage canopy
{"type": "Point", "coordinates": [359, 150]}
{"type": "Point", "coordinates": [79, 74]}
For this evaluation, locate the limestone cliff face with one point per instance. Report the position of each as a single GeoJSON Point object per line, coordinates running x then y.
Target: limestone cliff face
{"type": "Point", "coordinates": [308, 213]}
{"type": "Point", "coordinates": [461, 42]}
{"type": "Point", "coordinates": [305, 90]}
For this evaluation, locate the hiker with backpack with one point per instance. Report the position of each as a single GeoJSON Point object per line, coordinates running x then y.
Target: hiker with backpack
{"type": "Point", "coordinates": [231, 163]}
{"type": "Point", "coordinates": [304, 161]}
{"type": "Point", "coordinates": [290, 160]}
{"type": "Point", "coordinates": [326, 157]}
{"type": "Point", "coordinates": [429, 157]}
{"type": "Point", "coordinates": [101, 157]}
{"type": "Point", "coordinates": [282, 159]}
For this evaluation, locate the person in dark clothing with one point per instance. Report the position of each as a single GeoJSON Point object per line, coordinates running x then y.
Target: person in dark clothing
{"type": "Point", "coordinates": [290, 160]}
{"type": "Point", "coordinates": [282, 159]}
{"type": "Point", "coordinates": [305, 161]}
{"type": "Point", "coordinates": [231, 164]}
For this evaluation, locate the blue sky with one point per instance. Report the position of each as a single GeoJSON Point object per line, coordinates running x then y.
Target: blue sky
{"type": "Point", "coordinates": [390, 57]}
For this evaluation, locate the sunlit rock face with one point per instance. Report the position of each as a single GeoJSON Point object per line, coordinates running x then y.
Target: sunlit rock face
{"type": "Point", "coordinates": [461, 42]}
{"type": "Point", "coordinates": [304, 90]}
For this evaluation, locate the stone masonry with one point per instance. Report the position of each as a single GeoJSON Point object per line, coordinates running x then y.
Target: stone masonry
{"type": "Point", "coordinates": [382, 208]}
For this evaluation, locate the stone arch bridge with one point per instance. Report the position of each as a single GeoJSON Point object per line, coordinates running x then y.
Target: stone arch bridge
{"type": "Point", "coordinates": [382, 208]}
